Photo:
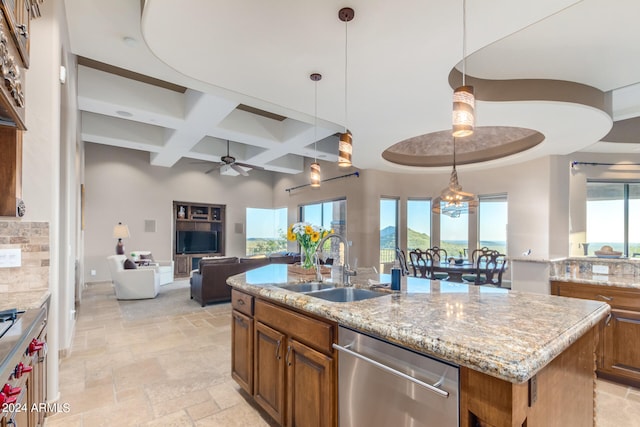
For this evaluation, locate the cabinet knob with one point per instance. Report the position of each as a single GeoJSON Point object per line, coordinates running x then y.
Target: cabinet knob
{"type": "Point", "coordinates": [240, 301]}
{"type": "Point", "coordinates": [7, 390]}
{"type": "Point", "coordinates": [288, 353]}
{"type": "Point", "coordinates": [278, 350]}
{"type": "Point", "coordinates": [21, 369]}
{"type": "Point", "coordinates": [23, 30]}
{"type": "Point", "coordinates": [6, 400]}
{"type": "Point", "coordinates": [239, 321]}
{"type": "Point", "coordinates": [35, 346]}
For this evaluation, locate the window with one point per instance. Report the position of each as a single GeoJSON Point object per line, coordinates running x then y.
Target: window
{"type": "Point", "coordinates": [330, 215]}
{"type": "Point", "coordinates": [388, 229]}
{"type": "Point", "coordinates": [418, 224]}
{"type": "Point", "coordinates": [266, 231]}
{"type": "Point", "coordinates": [613, 216]}
{"type": "Point", "coordinates": [492, 222]}
{"type": "Point", "coordinates": [454, 232]}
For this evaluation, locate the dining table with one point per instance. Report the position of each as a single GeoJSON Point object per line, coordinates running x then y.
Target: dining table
{"type": "Point", "coordinates": [454, 270]}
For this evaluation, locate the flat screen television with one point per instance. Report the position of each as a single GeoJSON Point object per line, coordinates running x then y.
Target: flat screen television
{"type": "Point", "coordinates": [194, 242]}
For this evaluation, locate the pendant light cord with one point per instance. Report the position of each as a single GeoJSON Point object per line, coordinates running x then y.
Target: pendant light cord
{"type": "Point", "coordinates": [464, 41]}
{"type": "Point", "coordinates": [315, 123]}
{"type": "Point", "coordinates": [346, 118]}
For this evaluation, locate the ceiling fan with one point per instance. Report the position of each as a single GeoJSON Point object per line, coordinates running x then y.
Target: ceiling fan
{"type": "Point", "coordinates": [230, 161]}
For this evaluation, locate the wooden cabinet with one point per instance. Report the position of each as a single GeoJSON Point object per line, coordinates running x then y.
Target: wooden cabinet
{"type": "Point", "coordinates": [309, 386]}
{"type": "Point", "coordinates": [269, 371]}
{"type": "Point", "coordinates": [242, 340]}
{"type": "Point", "coordinates": [618, 355]}
{"type": "Point", "coordinates": [200, 232]}
{"type": "Point", "coordinates": [10, 172]}
{"type": "Point", "coordinates": [294, 371]}
{"type": "Point", "coordinates": [18, 14]}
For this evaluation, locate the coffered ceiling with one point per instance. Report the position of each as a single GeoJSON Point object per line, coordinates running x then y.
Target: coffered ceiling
{"type": "Point", "coordinates": [179, 78]}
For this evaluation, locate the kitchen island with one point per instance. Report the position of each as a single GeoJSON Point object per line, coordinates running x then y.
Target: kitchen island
{"type": "Point", "coordinates": [525, 359]}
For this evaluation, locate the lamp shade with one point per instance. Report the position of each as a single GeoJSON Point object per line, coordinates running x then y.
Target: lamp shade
{"type": "Point", "coordinates": [120, 231]}
{"type": "Point", "coordinates": [315, 174]}
{"type": "Point", "coordinates": [464, 104]}
{"type": "Point", "coordinates": [345, 148]}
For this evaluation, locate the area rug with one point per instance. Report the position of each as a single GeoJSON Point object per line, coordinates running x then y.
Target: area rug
{"type": "Point", "coordinates": [172, 300]}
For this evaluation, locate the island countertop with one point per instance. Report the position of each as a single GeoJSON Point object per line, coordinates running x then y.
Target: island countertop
{"type": "Point", "coordinates": [506, 334]}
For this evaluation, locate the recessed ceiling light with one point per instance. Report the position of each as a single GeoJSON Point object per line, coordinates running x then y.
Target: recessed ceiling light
{"type": "Point", "coordinates": [124, 113]}
{"type": "Point", "coordinates": [129, 41]}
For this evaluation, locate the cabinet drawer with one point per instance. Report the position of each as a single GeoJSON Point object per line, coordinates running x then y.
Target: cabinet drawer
{"type": "Point", "coordinates": [242, 302]}
{"type": "Point", "coordinates": [616, 297]}
{"type": "Point", "coordinates": [314, 333]}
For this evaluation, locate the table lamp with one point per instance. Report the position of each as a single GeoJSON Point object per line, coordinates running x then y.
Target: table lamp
{"type": "Point", "coordinates": [120, 231]}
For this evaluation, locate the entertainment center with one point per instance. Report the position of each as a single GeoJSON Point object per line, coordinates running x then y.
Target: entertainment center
{"type": "Point", "coordinates": [199, 233]}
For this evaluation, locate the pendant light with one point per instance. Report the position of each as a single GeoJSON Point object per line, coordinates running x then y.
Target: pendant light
{"type": "Point", "coordinates": [455, 200]}
{"type": "Point", "coordinates": [464, 102]}
{"type": "Point", "coordinates": [314, 173]}
{"type": "Point", "coordinates": [345, 146]}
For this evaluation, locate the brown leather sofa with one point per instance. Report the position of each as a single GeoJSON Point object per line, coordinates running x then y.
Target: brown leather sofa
{"type": "Point", "coordinates": [209, 282]}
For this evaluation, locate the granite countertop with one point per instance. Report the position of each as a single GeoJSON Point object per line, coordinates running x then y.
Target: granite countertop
{"type": "Point", "coordinates": [24, 300]}
{"type": "Point", "coordinates": [506, 334]}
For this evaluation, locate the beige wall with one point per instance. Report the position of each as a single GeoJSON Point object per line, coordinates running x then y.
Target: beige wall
{"type": "Point", "coordinates": [121, 186]}
{"type": "Point", "coordinates": [48, 178]}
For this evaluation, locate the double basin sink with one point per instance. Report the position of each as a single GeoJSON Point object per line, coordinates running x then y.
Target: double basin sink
{"type": "Point", "coordinates": [329, 292]}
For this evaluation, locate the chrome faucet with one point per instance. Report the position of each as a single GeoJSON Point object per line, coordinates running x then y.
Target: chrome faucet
{"type": "Point", "coordinates": [346, 270]}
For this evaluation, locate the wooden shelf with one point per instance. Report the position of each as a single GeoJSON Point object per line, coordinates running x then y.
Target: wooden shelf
{"type": "Point", "coordinates": [197, 217]}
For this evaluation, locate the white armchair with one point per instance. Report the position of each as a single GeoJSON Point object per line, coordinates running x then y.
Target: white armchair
{"type": "Point", "coordinates": [133, 283]}
{"type": "Point", "coordinates": [164, 268]}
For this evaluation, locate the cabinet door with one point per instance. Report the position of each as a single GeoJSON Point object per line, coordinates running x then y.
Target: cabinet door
{"type": "Point", "coordinates": [242, 350]}
{"type": "Point", "coordinates": [268, 380]}
{"type": "Point", "coordinates": [182, 265]}
{"type": "Point", "coordinates": [310, 387]}
{"type": "Point", "coordinates": [621, 352]}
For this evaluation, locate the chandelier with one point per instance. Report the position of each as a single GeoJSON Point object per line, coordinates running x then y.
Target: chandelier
{"type": "Point", "coordinates": [452, 200]}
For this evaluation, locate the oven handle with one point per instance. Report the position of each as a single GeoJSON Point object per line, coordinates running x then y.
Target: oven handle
{"type": "Point", "coordinates": [393, 371]}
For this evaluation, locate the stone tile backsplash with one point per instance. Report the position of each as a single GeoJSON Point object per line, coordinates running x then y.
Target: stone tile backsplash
{"type": "Point", "coordinates": [578, 265]}
{"type": "Point", "coordinates": [33, 240]}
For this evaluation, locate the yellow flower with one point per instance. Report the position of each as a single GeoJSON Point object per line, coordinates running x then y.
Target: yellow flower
{"type": "Point", "coordinates": [315, 236]}
{"type": "Point", "coordinates": [291, 235]}
{"type": "Point", "coordinates": [308, 229]}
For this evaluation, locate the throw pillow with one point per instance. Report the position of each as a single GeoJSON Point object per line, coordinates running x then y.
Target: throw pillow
{"type": "Point", "coordinates": [148, 256]}
{"type": "Point", "coordinates": [129, 265]}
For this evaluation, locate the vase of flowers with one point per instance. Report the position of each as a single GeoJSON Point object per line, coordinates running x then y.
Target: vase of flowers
{"type": "Point", "coordinates": [308, 236]}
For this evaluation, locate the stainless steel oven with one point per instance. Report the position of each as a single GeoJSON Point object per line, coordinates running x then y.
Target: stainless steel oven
{"type": "Point", "coordinates": [382, 384]}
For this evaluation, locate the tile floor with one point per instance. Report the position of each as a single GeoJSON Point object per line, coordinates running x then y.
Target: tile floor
{"type": "Point", "coordinates": [166, 362]}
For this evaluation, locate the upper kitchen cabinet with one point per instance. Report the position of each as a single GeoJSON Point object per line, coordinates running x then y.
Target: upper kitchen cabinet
{"type": "Point", "coordinates": [18, 14]}
{"type": "Point", "coordinates": [13, 64]}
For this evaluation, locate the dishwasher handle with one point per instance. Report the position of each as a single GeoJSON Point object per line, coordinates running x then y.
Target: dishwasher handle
{"type": "Point", "coordinates": [392, 371]}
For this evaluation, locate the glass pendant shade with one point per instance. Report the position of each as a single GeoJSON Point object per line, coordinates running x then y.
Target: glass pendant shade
{"type": "Point", "coordinates": [345, 148]}
{"type": "Point", "coordinates": [315, 174]}
{"type": "Point", "coordinates": [464, 105]}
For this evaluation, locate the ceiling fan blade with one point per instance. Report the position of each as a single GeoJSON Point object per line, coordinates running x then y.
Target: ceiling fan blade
{"type": "Point", "coordinates": [238, 169]}
{"type": "Point", "coordinates": [249, 166]}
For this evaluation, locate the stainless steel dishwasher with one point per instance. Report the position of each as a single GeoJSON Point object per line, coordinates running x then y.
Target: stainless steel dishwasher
{"type": "Point", "coordinates": [382, 384]}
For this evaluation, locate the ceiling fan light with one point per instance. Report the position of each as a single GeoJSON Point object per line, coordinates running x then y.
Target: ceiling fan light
{"type": "Point", "coordinates": [315, 174]}
{"type": "Point", "coordinates": [345, 149]}
{"type": "Point", "coordinates": [464, 105]}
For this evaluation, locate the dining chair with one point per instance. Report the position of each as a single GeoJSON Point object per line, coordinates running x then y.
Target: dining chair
{"type": "Point", "coordinates": [438, 255]}
{"type": "Point", "coordinates": [482, 251]}
{"type": "Point", "coordinates": [489, 269]}
{"type": "Point", "coordinates": [402, 259]}
{"type": "Point", "coordinates": [422, 263]}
